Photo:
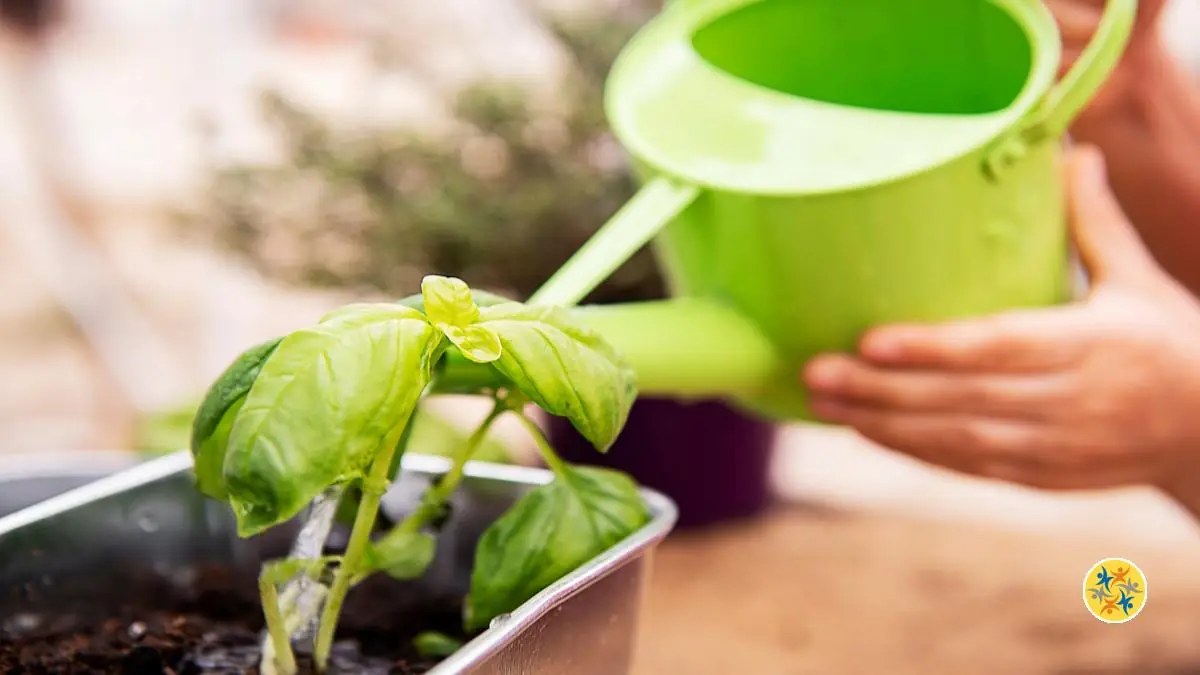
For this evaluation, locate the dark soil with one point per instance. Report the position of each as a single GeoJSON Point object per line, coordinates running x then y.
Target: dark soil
{"type": "Point", "coordinates": [213, 627]}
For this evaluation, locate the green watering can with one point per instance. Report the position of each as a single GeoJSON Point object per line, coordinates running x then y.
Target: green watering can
{"type": "Point", "coordinates": [817, 167]}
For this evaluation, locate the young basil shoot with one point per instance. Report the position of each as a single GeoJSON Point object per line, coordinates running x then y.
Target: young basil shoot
{"type": "Point", "coordinates": [330, 405]}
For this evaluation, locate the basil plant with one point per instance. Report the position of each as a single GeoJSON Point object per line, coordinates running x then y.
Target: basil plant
{"type": "Point", "coordinates": [328, 406]}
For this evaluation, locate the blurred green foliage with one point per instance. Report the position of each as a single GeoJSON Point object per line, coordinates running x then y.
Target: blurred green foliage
{"type": "Point", "coordinates": [501, 202]}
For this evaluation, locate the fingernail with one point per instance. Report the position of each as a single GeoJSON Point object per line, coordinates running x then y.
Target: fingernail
{"type": "Point", "coordinates": [823, 373]}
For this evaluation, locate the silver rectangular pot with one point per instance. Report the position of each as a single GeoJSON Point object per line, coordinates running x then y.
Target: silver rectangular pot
{"type": "Point", "coordinates": [57, 553]}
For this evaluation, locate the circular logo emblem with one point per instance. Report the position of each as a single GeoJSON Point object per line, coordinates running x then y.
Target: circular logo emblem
{"type": "Point", "coordinates": [1114, 590]}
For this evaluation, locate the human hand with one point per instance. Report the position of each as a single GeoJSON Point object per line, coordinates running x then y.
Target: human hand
{"type": "Point", "coordinates": [1099, 394]}
{"type": "Point", "coordinates": [1077, 22]}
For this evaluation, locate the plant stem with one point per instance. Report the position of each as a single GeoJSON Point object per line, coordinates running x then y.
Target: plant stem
{"type": "Point", "coordinates": [432, 500]}
{"type": "Point", "coordinates": [556, 463]}
{"type": "Point", "coordinates": [373, 488]}
{"type": "Point", "coordinates": [283, 659]}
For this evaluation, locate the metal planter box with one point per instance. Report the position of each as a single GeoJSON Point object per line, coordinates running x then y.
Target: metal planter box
{"type": "Point", "coordinates": [151, 518]}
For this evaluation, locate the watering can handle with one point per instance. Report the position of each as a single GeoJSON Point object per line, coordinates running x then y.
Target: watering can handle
{"type": "Point", "coordinates": [1066, 99]}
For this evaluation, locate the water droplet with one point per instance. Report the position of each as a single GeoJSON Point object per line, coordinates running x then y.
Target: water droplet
{"type": "Point", "coordinates": [147, 523]}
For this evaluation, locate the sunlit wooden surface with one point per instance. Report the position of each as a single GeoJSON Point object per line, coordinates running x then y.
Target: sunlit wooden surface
{"type": "Point", "coordinates": [807, 592]}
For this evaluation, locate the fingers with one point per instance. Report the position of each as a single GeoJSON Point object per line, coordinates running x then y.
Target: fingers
{"type": "Point", "coordinates": [961, 442]}
{"type": "Point", "coordinates": [860, 382]}
{"type": "Point", "coordinates": [1003, 449]}
{"type": "Point", "coordinates": [1109, 246]}
{"type": "Point", "coordinates": [1017, 341]}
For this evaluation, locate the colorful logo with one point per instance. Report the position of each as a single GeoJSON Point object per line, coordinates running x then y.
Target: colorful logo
{"type": "Point", "coordinates": [1114, 590]}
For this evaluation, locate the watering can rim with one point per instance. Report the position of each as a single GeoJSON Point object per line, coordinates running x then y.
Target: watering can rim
{"type": "Point", "coordinates": [663, 49]}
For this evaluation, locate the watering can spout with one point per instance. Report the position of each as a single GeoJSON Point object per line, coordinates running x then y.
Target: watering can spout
{"type": "Point", "coordinates": [680, 348]}
{"type": "Point", "coordinates": [688, 347]}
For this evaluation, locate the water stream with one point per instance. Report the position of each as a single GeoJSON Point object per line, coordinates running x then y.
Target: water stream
{"type": "Point", "coordinates": [302, 597]}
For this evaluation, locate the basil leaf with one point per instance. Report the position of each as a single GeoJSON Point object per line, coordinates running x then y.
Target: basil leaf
{"type": "Point", "coordinates": [402, 555]}
{"type": "Point", "coordinates": [564, 367]}
{"type": "Point", "coordinates": [214, 418]}
{"type": "Point", "coordinates": [323, 406]}
{"type": "Point", "coordinates": [478, 343]}
{"type": "Point", "coordinates": [363, 313]}
{"type": "Point", "coordinates": [432, 644]}
{"type": "Point", "coordinates": [481, 298]}
{"type": "Point", "coordinates": [548, 533]}
{"type": "Point", "coordinates": [352, 497]}
{"type": "Point", "coordinates": [448, 301]}
{"type": "Point", "coordinates": [448, 305]}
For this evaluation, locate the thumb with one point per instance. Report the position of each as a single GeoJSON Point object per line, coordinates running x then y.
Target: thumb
{"type": "Point", "coordinates": [1108, 245]}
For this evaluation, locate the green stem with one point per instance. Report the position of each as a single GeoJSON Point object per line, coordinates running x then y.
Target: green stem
{"type": "Point", "coordinates": [373, 488]}
{"type": "Point", "coordinates": [432, 500]}
{"type": "Point", "coordinates": [283, 659]}
{"type": "Point", "coordinates": [556, 463]}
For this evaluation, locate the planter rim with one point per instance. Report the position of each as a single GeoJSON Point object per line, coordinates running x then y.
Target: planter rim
{"type": "Point", "coordinates": [502, 631]}
{"type": "Point", "coordinates": [23, 465]}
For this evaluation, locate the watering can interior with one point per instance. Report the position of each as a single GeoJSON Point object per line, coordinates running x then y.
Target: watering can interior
{"type": "Point", "coordinates": [816, 167]}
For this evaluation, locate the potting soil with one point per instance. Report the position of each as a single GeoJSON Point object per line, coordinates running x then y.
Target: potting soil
{"type": "Point", "coordinates": [214, 628]}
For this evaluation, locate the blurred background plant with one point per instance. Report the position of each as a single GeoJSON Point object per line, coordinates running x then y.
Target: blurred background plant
{"type": "Point", "coordinates": [502, 199]}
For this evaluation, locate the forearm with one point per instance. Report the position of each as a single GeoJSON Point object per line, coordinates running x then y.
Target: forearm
{"type": "Point", "coordinates": [1152, 143]}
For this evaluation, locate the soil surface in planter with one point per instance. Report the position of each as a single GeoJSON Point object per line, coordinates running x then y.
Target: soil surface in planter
{"type": "Point", "coordinates": [212, 626]}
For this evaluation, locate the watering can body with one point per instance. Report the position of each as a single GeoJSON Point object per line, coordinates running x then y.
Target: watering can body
{"type": "Point", "coordinates": [815, 272]}
{"type": "Point", "coordinates": [825, 166]}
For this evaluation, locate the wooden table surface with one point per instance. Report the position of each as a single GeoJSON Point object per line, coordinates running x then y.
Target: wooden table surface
{"type": "Point", "coordinates": [803, 591]}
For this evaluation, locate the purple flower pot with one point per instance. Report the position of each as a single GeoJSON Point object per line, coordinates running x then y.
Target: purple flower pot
{"type": "Point", "coordinates": [714, 461]}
